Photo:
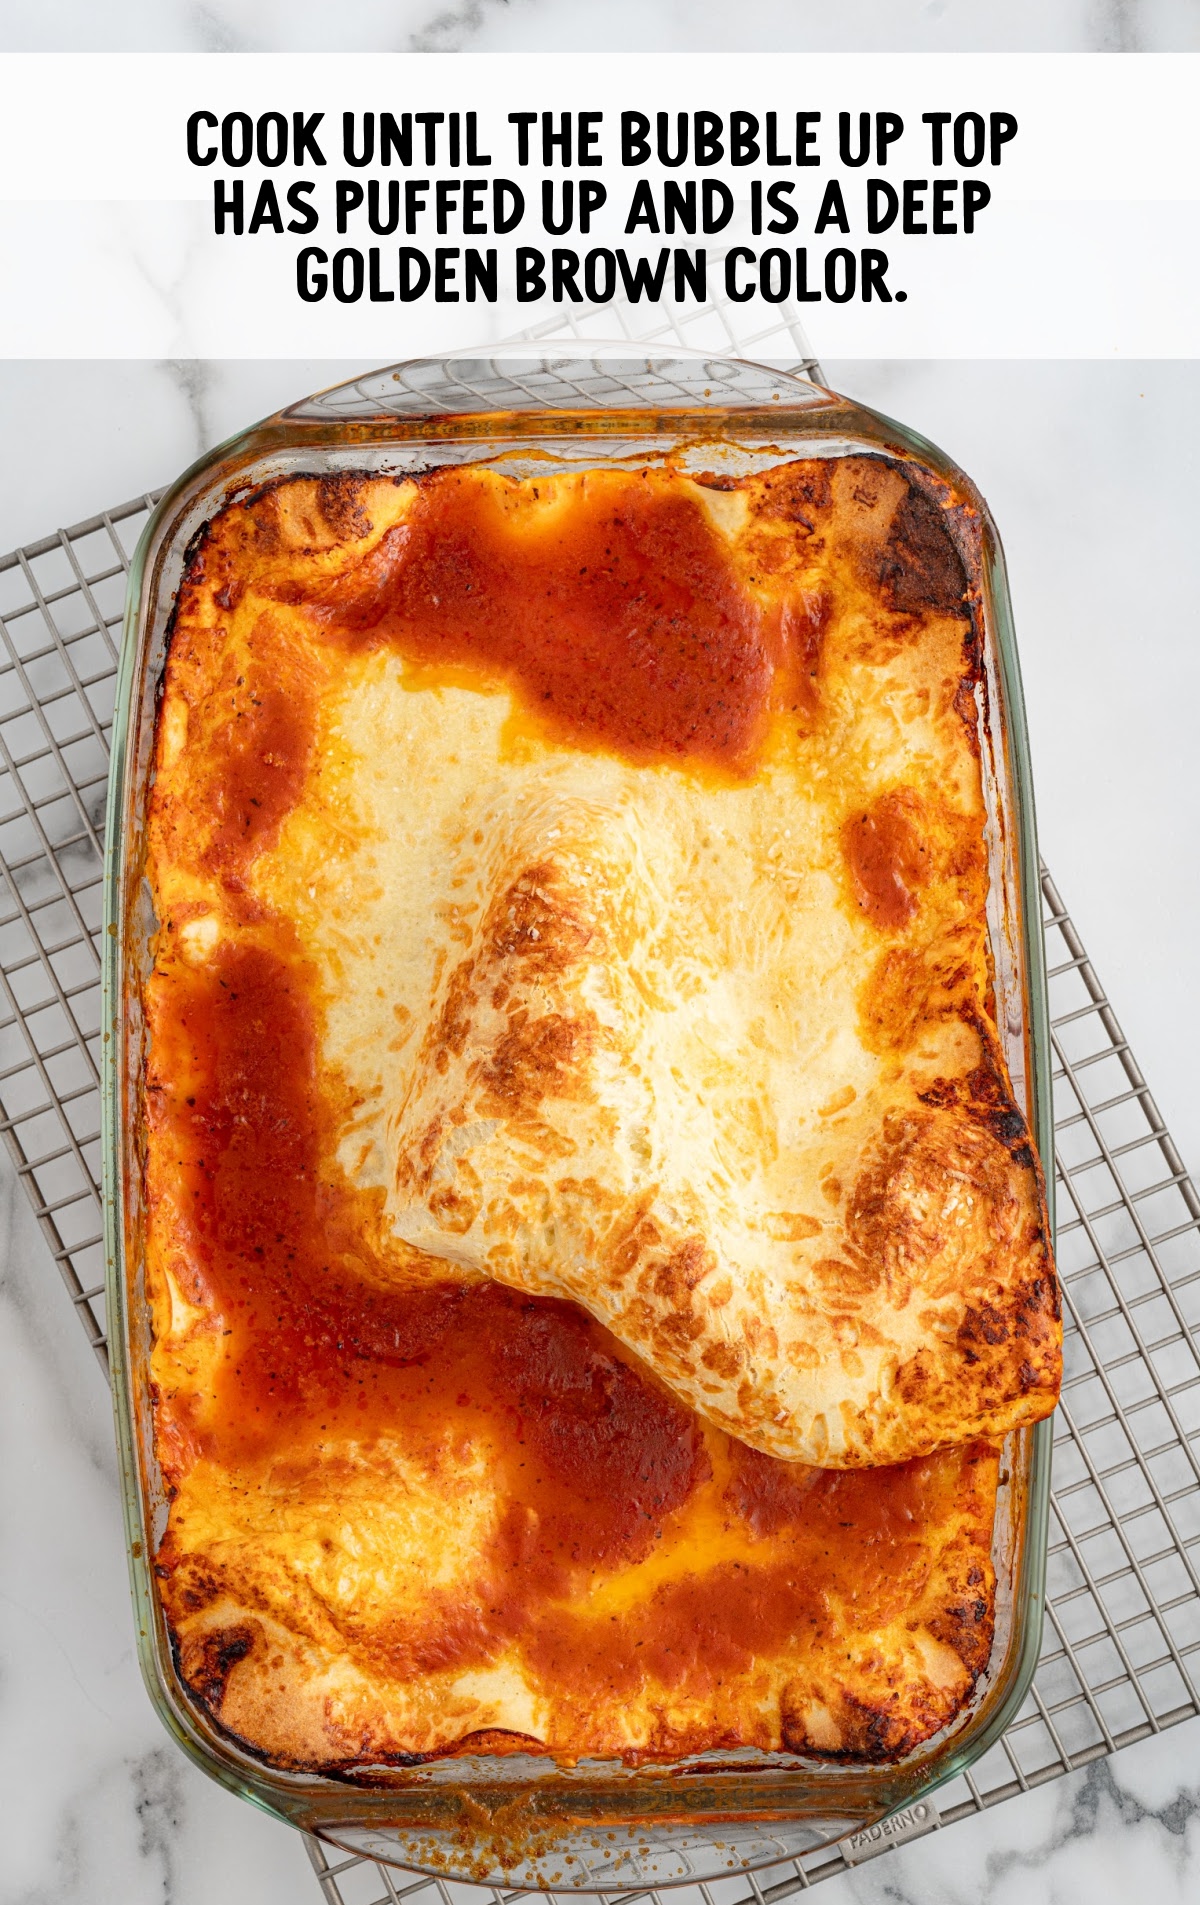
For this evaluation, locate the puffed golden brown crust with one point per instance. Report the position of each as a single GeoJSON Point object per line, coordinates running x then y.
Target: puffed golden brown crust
{"type": "Point", "coordinates": [573, 899]}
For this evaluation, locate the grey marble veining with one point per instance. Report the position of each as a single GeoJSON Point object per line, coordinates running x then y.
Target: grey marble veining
{"type": "Point", "coordinates": [515, 26]}
{"type": "Point", "coordinates": [1127, 1829]}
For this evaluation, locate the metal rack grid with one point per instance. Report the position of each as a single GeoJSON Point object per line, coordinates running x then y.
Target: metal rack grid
{"type": "Point", "coordinates": [479, 382]}
{"type": "Point", "coordinates": [1123, 1628]}
{"type": "Point", "coordinates": [770, 334]}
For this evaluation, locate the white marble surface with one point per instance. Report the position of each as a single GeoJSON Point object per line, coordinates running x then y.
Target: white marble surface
{"type": "Point", "coordinates": [1092, 475]}
{"type": "Point", "coordinates": [516, 26]}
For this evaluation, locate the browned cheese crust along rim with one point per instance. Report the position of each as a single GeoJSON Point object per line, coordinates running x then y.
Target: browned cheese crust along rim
{"type": "Point", "coordinates": [479, 1413]}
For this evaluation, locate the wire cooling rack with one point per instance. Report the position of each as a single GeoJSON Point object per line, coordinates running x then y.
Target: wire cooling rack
{"type": "Point", "coordinates": [764, 333]}
{"type": "Point", "coordinates": [1123, 1612]}
{"type": "Point", "coordinates": [480, 382]}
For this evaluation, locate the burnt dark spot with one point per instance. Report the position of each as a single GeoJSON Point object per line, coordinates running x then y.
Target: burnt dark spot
{"type": "Point", "coordinates": [1009, 1126]}
{"type": "Point", "coordinates": [868, 1732]}
{"type": "Point", "coordinates": [983, 1323]}
{"type": "Point", "coordinates": [200, 1592]}
{"type": "Point", "coordinates": [920, 568]}
{"type": "Point", "coordinates": [355, 1773]}
{"type": "Point", "coordinates": [942, 1092]}
{"type": "Point", "coordinates": [209, 1662]}
{"type": "Point", "coordinates": [338, 502]}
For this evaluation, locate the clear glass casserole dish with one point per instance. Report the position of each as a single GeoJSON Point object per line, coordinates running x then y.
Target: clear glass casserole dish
{"type": "Point", "coordinates": [521, 1820]}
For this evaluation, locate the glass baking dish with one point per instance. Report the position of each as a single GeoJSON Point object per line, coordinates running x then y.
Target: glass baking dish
{"type": "Point", "coordinates": [527, 1821]}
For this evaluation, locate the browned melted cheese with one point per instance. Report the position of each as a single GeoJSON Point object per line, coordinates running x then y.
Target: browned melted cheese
{"type": "Point", "coordinates": [572, 1089]}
